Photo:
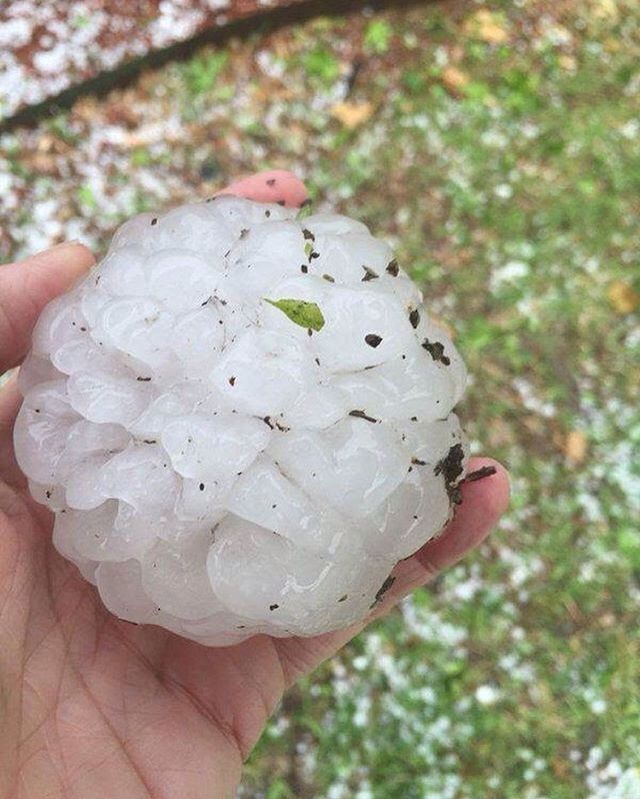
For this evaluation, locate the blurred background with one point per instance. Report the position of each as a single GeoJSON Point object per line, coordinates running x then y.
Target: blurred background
{"type": "Point", "coordinates": [497, 146]}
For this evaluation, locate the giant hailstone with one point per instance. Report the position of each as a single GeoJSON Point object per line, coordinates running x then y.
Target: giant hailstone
{"type": "Point", "coordinates": [242, 421]}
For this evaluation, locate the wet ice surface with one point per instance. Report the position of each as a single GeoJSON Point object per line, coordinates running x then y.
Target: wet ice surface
{"type": "Point", "coordinates": [223, 466]}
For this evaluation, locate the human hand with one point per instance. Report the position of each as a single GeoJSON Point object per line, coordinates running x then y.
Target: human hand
{"type": "Point", "coordinates": [92, 706]}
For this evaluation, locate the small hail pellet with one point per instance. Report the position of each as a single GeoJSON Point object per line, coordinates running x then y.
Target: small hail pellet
{"type": "Point", "coordinates": [242, 420]}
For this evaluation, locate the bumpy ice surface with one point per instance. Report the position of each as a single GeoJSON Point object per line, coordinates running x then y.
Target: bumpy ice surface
{"type": "Point", "coordinates": [222, 461]}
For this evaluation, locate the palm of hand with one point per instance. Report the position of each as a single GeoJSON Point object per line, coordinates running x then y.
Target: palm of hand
{"type": "Point", "coordinates": [95, 707]}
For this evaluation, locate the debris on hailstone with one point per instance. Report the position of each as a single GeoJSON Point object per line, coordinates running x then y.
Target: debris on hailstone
{"type": "Point", "coordinates": [242, 421]}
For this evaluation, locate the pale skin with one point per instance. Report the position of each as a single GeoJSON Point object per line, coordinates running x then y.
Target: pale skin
{"type": "Point", "coordinates": [91, 706]}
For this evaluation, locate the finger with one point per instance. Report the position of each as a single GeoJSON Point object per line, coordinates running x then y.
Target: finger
{"type": "Point", "coordinates": [10, 399]}
{"type": "Point", "coordinates": [26, 287]}
{"type": "Point", "coordinates": [274, 186]}
{"type": "Point", "coordinates": [483, 503]}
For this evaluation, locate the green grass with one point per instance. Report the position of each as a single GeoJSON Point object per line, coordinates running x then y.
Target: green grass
{"type": "Point", "coordinates": [523, 663]}
{"type": "Point", "coordinates": [510, 189]}
{"type": "Point", "coordinates": [201, 73]}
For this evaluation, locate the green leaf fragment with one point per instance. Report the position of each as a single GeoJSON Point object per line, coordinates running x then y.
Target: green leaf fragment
{"type": "Point", "coordinates": [305, 210]}
{"type": "Point", "coordinates": [305, 314]}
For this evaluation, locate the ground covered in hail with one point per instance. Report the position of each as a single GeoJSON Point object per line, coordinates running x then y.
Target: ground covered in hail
{"type": "Point", "coordinates": [506, 143]}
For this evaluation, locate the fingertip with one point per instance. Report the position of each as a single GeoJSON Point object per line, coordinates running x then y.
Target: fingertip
{"type": "Point", "coordinates": [492, 493]}
{"type": "Point", "coordinates": [483, 503]}
{"type": "Point", "coordinates": [50, 273]}
{"type": "Point", "coordinates": [272, 186]}
{"type": "Point", "coordinates": [10, 399]}
{"type": "Point", "coordinates": [69, 259]}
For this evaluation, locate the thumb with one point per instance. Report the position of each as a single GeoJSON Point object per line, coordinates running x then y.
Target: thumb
{"type": "Point", "coordinates": [27, 286]}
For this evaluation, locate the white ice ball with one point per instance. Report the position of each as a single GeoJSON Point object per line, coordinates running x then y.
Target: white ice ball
{"type": "Point", "coordinates": [242, 421]}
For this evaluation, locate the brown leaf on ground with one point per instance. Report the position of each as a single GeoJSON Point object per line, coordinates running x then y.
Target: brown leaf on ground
{"type": "Point", "coordinates": [575, 447]}
{"type": "Point", "coordinates": [568, 62]}
{"type": "Point", "coordinates": [486, 26]}
{"type": "Point", "coordinates": [123, 114]}
{"type": "Point", "coordinates": [623, 297]}
{"type": "Point", "coordinates": [605, 9]}
{"type": "Point", "coordinates": [454, 80]}
{"type": "Point", "coordinates": [43, 163]}
{"type": "Point", "coordinates": [352, 115]}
